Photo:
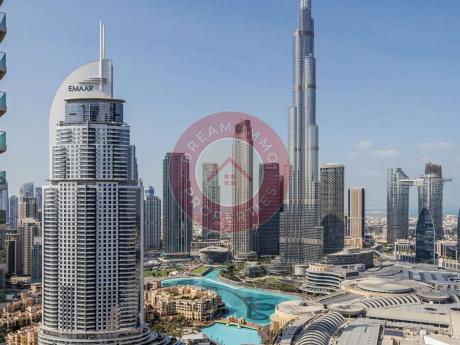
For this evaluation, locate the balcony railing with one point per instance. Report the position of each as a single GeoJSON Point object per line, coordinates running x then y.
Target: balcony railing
{"type": "Point", "coordinates": [2, 64]}
{"type": "Point", "coordinates": [2, 26]}
{"type": "Point", "coordinates": [2, 141]}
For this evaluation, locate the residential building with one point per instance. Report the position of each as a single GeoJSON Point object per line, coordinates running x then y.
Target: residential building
{"type": "Point", "coordinates": [356, 217]}
{"type": "Point", "coordinates": [242, 192]}
{"type": "Point", "coordinates": [13, 212]}
{"type": "Point", "coordinates": [332, 198]}
{"type": "Point", "coordinates": [270, 206]}
{"type": "Point", "coordinates": [193, 303]}
{"type": "Point", "coordinates": [36, 258]}
{"type": "Point", "coordinates": [152, 220]}
{"type": "Point", "coordinates": [177, 205]}
{"type": "Point", "coordinates": [397, 205]}
{"type": "Point", "coordinates": [210, 214]}
{"type": "Point", "coordinates": [430, 195]}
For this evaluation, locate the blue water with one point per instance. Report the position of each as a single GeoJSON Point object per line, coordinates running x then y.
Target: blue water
{"type": "Point", "coordinates": [254, 305]}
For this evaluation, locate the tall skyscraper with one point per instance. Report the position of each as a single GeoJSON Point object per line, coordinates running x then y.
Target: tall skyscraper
{"type": "Point", "coordinates": [270, 205]}
{"type": "Point", "coordinates": [28, 207]}
{"type": "Point", "coordinates": [26, 190]}
{"type": "Point", "coordinates": [28, 229]}
{"type": "Point", "coordinates": [301, 234]}
{"type": "Point", "coordinates": [430, 195]}
{"type": "Point", "coordinates": [332, 197]}
{"type": "Point", "coordinates": [12, 247]}
{"type": "Point", "coordinates": [36, 260]}
{"type": "Point", "coordinates": [242, 192]}
{"type": "Point", "coordinates": [39, 198]}
{"type": "Point", "coordinates": [4, 200]}
{"type": "Point", "coordinates": [210, 216]}
{"type": "Point", "coordinates": [13, 212]}
{"type": "Point", "coordinates": [177, 205]}
{"type": "Point", "coordinates": [92, 231]}
{"type": "Point", "coordinates": [152, 220]}
{"type": "Point", "coordinates": [356, 216]}
{"type": "Point", "coordinates": [425, 238]}
{"type": "Point", "coordinates": [458, 236]}
{"type": "Point", "coordinates": [397, 205]}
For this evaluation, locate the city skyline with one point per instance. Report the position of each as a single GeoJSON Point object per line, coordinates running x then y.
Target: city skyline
{"type": "Point", "coordinates": [366, 155]}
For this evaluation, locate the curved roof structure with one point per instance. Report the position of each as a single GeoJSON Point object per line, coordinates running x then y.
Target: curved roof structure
{"type": "Point", "coordinates": [320, 331]}
{"type": "Point", "coordinates": [384, 286]}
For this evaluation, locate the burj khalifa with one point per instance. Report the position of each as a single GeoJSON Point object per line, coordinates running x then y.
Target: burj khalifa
{"type": "Point", "coordinates": [301, 238]}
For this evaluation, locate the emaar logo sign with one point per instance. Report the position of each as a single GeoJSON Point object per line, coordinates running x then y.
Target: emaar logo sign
{"type": "Point", "coordinates": [73, 88]}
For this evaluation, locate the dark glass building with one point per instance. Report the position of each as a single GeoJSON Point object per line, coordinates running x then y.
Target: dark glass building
{"type": "Point", "coordinates": [270, 201]}
{"type": "Point", "coordinates": [332, 201]}
{"type": "Point", "coordinates": [425, 238]}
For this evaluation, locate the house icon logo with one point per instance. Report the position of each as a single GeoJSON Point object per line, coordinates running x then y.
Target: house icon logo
{"type": "Point", "coordinates": [225, 172]}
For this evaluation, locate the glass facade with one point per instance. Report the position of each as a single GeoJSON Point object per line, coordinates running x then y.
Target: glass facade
{"type": "Point", "coordinates": [332, 198]}
{"type": "Point", "coordinates": [425, 238]}
{"type": "Point", "coordinates": [397, 205]}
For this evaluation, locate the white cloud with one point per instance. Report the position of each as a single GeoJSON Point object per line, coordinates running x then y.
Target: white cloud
{"type": "Point", "coordinates": [436, 146]}
{"type": "Point", "coordinates": [386, 153]}
{"type": "Point", "coordinates": [365, 145]}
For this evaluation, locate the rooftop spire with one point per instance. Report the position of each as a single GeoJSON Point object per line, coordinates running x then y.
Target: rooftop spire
{"type": "Point", "coordinates": [101, 40]}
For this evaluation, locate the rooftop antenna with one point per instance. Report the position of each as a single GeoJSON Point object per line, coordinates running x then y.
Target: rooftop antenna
{"type": "Point", "coordinates": [101, 50]}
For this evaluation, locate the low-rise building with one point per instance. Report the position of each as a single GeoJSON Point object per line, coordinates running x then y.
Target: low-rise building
{"type": "Point", "coordinates": [25, 336]}
{"type": "Point", "coordinates": [323, 279]}
{"type": "Point", "coordinates": [193, 303]}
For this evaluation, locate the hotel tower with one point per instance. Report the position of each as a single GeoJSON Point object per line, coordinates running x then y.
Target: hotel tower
{"type": "Point", "coordinates": [301, 238]}
{"type": "Point", "coordinates": [92, 218]}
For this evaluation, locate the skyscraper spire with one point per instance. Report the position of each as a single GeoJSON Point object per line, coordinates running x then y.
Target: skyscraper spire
{"type": "Point", "coordinates": [101, 40]}
{"type": "Point", "coordinates": [301, 234]}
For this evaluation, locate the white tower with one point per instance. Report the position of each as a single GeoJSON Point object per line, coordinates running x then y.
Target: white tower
{"type": "Point", "coordinates": [92, 218]}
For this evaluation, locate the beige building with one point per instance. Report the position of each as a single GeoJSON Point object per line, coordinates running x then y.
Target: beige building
{"type": "Point", "coordinates": [195, 304]}
{"type": "Point", "coordinates": [356, 217]}
{"type": "Point", "coordinates": [25, 336]}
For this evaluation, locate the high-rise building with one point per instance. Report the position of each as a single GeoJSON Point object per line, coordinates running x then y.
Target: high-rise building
{"type": "Point", "coordinates": [12, 247]}
{"type": "Point", "coordinates": [28, 229]}
{"type": "Point", "coordinates": [332, 198]}
{"type": "Point", "coordinates": [92, 230]}
{"type": "Point", "coordinates": [425, 240]}
{"type": "Point", "coordinates": [39, 198]}
{"type": "Point", "coordinates": [430, 195]}
{"type": "Point", "coordinates": [177, 205]}
{"type": "Point", "coordinates": [152, 220]}
{"type": "Point", "coordinates": [36, 275]}
{"type": "Point", "coordinates": [28, 207]}
{"type": "Point", "coordinates": [26, 190]}
{"type": "Point", "coordinates": [356, 217]}
{"type": "Point", "coordinates": [397, 205]}
{"type": "Point", "coordinates": [301, 234]}
{"type": "Point", "coordinates": [270, 205]}
{"type": "Point", "coordinates": [458, 236]}
{"type": "Point", "coordinates": [3, 183]}
{"type": "Point", "coordinates": [4, 200]}
{"type": "Point", "coordinates": [242, 192]}
{"type": "Point", "coordinates": [210, 215]}
{"type": "Point", "coordinates": [13, 212]}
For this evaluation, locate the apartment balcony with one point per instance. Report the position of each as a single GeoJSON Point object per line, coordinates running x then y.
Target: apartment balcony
{"type": "Point", "coordinates": [2, 26]}
{"type": "Point", "coordinates": [3, 107]}
{"type": "Point", "coordinates": [2, 141]}
{"type": "Point", "coordinates": [2, 64]}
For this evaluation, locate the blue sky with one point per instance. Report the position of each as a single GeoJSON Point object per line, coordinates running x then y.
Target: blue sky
{"type": "Point", "coordinates": [388, 72]}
